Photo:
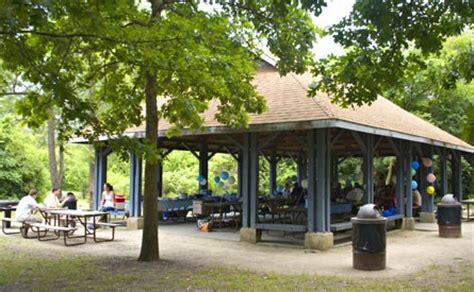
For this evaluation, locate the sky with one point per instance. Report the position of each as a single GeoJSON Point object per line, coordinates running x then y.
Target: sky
{"type": "Point", "coordinates": [332, 14]}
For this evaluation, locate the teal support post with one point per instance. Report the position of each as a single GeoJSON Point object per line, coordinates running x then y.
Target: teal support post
{"type": "Point", "coordinates": [100, 173]}
{"type": "Point", "coordinates": [253, 179]}
{"type": "Point", "coordinates": [135, 185]}
{"type": "Point", "coordinates": [408, 179]}
{"type": "Point", "coordinates": [246, 181]}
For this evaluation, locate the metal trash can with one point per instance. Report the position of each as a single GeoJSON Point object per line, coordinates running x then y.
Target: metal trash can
{"type": "Point", "coordinates": [369, 230]}
{"type": "Point", "coordinates": [449, 217]}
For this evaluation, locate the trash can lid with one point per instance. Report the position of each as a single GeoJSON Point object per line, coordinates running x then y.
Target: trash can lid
{"type": "Point", "coordinates": [449, 199]}
{"type": "Point", "coordinates": [369, 211]}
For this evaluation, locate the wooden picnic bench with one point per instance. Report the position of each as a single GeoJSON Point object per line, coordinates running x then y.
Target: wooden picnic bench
{"type": "Point", "coordinates": [82, 217]}
{"type": "Point", "coordinates": [6, 224]}
{"type": "Point", "coordinates": [109, 225]}
{"type": "Point", "coordinates": [348, 225]}
{"type": "Point", "coordinates": [57, 231]}
{"type": "Point", "coordinates": [281, 227]}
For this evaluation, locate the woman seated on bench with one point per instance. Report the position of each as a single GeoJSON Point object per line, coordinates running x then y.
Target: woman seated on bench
{"type": "Point", "coordinates": [107, 202]}
{"type": "Point", "coordinates": [108, 199]}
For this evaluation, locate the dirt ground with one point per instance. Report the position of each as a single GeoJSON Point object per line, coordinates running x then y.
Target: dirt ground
{"type": "Point", "coordinates": [407, 251]}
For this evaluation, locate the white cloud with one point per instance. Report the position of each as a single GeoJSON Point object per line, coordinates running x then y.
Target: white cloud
{"type": "Point", "coordinates": [332, 14]}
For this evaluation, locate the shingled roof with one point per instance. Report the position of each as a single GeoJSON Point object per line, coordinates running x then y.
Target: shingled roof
{"type": "Point", "coordinates": [290, 108]}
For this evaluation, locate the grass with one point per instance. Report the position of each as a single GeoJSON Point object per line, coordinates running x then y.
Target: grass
{"type": "Point", "coordinates": [29, 265]}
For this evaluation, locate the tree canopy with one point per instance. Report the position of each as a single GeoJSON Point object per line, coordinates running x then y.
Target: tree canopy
{"type": "Point", "coordinates": [378, 37]}
{"type": "Point", "coordinates": [99, 63]}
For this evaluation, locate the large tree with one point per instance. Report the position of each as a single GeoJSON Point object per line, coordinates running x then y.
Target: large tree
{"type": "Point", "coordinates": [99, 62]}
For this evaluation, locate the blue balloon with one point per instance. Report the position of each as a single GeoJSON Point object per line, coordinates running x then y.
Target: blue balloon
{"type": "Point", "coordinates": [200, 178]}
{"type": "Point", "coordinates": [294, 178]}
{"type": "Point", "coordinates": [414, 185]}
{"type": "Point", "coordinates": [224, 175]}
{"type": "Point", "coordinates": [279, 189]}
{"type": "Point", "coordinates": [415, 165]}
{"type": "Point", "coordinates": [217, 179]}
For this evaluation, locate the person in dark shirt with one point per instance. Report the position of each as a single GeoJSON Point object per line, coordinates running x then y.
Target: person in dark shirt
{"type": "Point", "coordinates": [297, 193]}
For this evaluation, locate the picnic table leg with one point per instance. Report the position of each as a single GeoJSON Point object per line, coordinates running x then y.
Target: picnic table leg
{"type": "Point", "coordinates": [8, 214]}
{"type": "Point", "coordinates": [468, 211]}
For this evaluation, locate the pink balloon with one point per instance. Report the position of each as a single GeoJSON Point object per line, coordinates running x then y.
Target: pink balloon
{"type": "Point", "coordinates": [427, 162]}
{"type": "Point", "coordinates": [431, 178]}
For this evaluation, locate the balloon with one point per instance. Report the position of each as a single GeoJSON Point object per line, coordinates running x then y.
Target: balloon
{"type": "Point", "coordinates": [203, 182]}
{"type": "Point", "coordinates": [427, 162]}
{"type": "Point", "coordinates": [413, 172]}
{"type": "Point", "coordinates": [231, 180]}
{"type": "Point", "coordinates": [221, 184]}
{"type": "Point", "coordinates": [294, 178]}
{"type": "Point", "coordinates": [279, 189]}
{"type": "Point", "coordinates": [200, 178]}
{"type": "Point", "coordinates": [431, 178]}
{"type": "Point", "coordinates": [224, 175]}
{"type": "Point", "coordinates": [415, 165]}
{"type": "Point", "coordinates": [414, 185]}
{"type": "Point", "coordinates": [217, 179]}
{"type": "Point", "coordinates": [304, 183]}
{"type": "Point", "coordinates": [430, 190]}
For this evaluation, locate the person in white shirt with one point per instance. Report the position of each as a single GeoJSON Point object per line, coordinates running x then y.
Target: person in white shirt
{"type": "Point", "coordinates": [356, 194]}
{"type": "Point", "coordinates": [52, 200]}
{"type": "Point", "coordinates": [107, 203]}
{"type": "Point", "coordinates": [108, 198]}
{"type": "Point", "coordinates": [26, 206]}
{"type": "Point", "coordinates": [416, 198]}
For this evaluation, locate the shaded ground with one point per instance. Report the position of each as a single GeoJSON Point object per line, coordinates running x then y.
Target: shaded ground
{"type": "Point", "coordinates": [191, 260]}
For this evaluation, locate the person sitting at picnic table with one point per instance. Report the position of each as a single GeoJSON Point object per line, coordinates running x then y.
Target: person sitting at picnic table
{"type": "Point", "coordinates": [53, 199]}
{"type": "Point", "coordinates": [26, 206]}
{"type": "Point", "coordinates": [70, 201]}
{"type": "Point", "coordinates": [287, 190]}
{"type": "Point", "coordinates": [297, 193]}
{"type": "Point", "coordinates": [356, 194]}
{"type": "Point", "coordinates": [108, 198]}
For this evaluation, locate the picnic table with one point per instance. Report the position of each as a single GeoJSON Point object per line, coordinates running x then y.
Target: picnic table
{"type": "Point", "coordinates": [211, 208]}
{"type": "Point", "coordinates": [83, 218]}
{"type": "Point", "coordinates": [468, 202]}
{"type": "Point", "coordinates": [7, 206]}
{"type": "Point", "coordinates": [222, 209]}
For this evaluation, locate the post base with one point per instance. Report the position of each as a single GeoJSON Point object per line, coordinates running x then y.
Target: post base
{"type": "Point", "coordinates": [319, 240]}
{"type": "Point", "coordinates": [134, 223]}
{"type": "Point", "coordinates": [427, 217]}
{"type": "Point", "coordinates": [250, 235]}
{"type": "Point", "coordinates": [408, 223]}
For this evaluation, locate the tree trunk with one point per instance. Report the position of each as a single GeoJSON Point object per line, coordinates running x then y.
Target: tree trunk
{"type": "Point", "coordinates": [149, 249]}
{"type": "Point", "coordinates": [52, 152]}
{"type": "Point", "coordinates": [61, 164]}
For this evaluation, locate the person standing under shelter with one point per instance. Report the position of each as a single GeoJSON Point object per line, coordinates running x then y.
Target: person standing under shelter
{"type": "Point", "coordinates": [26, 206]}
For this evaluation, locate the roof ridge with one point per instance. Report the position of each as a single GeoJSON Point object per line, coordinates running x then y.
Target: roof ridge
{"type": "Point", "coordinates": [326, 110]}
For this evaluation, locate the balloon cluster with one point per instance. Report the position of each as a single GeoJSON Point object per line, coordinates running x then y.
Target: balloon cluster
{"type": "Point", "coordinates": [202, 180]}
{"type": "Point", "coordinates": [431, 178]}
{"type": "Point", "coordinates": [224, 180]}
